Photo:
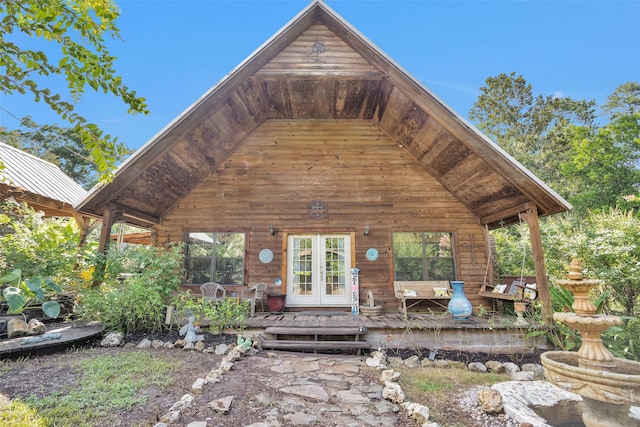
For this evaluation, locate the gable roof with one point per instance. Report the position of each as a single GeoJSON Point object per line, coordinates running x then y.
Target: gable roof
{"type": "Point", "coordinates": [42, 184]}
{"type": "Point", "coordinates": [319, 67]}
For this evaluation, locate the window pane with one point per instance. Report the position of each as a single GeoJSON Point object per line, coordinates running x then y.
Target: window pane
{"type": "Point", "coordinates": [335, 268]}
{"type": "Point", "coordinates": [423, 256]}
{"type": "Point", "coordinates": [407, 245]}
{"type": "Point", "coordinates": [215, 257]}
{"type": "Point", "coordinates": [302, 266]}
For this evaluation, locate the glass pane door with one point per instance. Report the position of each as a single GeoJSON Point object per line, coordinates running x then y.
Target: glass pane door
{"type": "Point", "coordinates": [319, 270]}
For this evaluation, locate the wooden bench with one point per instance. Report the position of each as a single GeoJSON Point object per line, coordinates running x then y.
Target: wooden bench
{"type": "Point", "coordinates": [418, 291]}
{"type": "Point", "coordinates": [515, 289]}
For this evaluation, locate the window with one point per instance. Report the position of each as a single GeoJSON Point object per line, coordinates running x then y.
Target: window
{"type": "Point", "coordinates": [215, 257]}
{"type": "Point", "coordinates": [423, 256]}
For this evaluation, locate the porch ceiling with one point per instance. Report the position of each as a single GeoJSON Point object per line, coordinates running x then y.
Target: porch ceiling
{"type": "Point", "coordinates": [481, 175]}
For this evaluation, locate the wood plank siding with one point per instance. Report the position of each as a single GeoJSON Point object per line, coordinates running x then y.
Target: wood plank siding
{"type": "Point", "coordinates": [319, 113]}
{"type": "Point", "coordinates": [356, 169]}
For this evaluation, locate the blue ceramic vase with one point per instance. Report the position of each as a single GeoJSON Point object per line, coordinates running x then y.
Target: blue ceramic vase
{"type": "Point", "coordinates": [459, 306]}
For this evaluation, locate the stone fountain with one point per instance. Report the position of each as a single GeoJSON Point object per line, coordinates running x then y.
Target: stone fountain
{"type": "Point", "coordinates": [608, 385]}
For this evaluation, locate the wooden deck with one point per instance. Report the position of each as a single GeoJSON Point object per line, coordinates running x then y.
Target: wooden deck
{"type": "Point", "coordinates": [496, 334]}
{"type": "Point", "coordinates": [69, 336]}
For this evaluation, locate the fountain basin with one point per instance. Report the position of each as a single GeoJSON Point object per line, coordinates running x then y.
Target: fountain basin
{"type": "Point", "coordinates": [621, 386]}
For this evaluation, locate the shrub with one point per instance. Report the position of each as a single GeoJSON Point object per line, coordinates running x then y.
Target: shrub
{"type": "Point", "coordinates": [139, 301]}
{"type": "Point", "coordinates": [228, 313]}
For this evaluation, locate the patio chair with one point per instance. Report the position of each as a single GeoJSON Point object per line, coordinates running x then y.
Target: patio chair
{"type": "Point", "coordinates": [254, 294]}
{"type": "Point", "coordinates": [213, 292]}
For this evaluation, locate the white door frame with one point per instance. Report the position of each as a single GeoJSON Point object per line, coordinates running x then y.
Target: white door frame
{"type": "Point", "coordinates": [308, 287]}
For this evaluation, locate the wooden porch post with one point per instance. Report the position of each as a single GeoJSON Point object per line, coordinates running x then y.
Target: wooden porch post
{"type": "Point", "coordinates": [108, 219]}
{"type": "Point", "coordinates": [531, 217]}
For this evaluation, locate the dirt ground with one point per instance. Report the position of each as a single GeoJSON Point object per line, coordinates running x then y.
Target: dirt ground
{"type": "Point", "coordinates": [33, 376]}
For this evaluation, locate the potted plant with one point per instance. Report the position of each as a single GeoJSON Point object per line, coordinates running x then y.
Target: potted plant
{"type": "Point", "coordinates": [21, 294]}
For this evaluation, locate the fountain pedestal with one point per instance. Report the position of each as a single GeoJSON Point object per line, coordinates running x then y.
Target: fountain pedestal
{"type": "Point", "coordinates": [608, 385]}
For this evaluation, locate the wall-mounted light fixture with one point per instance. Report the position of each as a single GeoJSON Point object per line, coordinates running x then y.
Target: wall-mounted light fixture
{"type": "Point", "coordinates": [367, 229]}
{"type": "Point", "coordinates": [272, 230]}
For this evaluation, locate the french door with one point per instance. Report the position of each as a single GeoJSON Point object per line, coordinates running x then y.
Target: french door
{"type": "Point", "coordinates": [319, 270]}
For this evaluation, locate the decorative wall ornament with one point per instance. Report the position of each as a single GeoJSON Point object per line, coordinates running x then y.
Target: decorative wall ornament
{"type": "Point", "coordinates": [372, 254]}
{"type": "Point", "coordinates": [317, 210]}
{"type": "Point", "coordinates": [265, 256]}
{"type": "Point", "coordinates": [318, 47]}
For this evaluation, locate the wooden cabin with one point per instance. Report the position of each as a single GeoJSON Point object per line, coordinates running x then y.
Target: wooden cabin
{"type": "Point", "coordinates": [316, 155]}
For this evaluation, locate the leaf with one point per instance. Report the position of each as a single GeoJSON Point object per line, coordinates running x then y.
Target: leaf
{"type": "Point", "coordinates": [51, 309]}
{"type": "Point", "coordinates": [12, 278]}
{"type": "Point", "coordinates": [15, 300]}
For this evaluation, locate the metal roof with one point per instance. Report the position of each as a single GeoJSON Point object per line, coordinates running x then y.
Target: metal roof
{"type": "Point", "coordinates": [38, 176]}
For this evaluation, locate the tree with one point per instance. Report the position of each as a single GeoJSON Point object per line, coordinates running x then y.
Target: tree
{"type": "Point", "coordinates": [625, 100]}
{"type": "Point", "coordinates": [532, 128]}
{"type": "Point", "coordinates": [77, 28]}
{"type": "Point", "coordinates": [604, 165]}
{"type": "Point", "coordinates": [62, 147]}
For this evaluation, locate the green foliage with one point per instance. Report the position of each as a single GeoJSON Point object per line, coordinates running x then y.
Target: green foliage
{"type": "Point", "coordinates": [139, 301]}
{"type": "Point", "coordinates": [530, 127]}
{"type": "Point", "coordinates": [603, 164]}
{"type": "Point", "coordinates": [38, 246]}
{"type": "Point", "coordinates": [72, 32]}
{"type": "Point", "coordinates": [625, 100]}
{"type": "Point", "coordinates": [226, 314]}
{"type": "Point", "coordinates": [16, 413]}
{"type": "Point", "coordinates": [612, 254]}
{"type": "Point", "coordinates": [624, 341]}
{"type": "Point", "coordinates": [593, 166]}
{"type": "Point", "coordinates": [20, 294]}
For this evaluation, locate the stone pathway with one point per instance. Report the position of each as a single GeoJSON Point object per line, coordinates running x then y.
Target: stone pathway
{"type": "Point", "coordinates": [324, 390]}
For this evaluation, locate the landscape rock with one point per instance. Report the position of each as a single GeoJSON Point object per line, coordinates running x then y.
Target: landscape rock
{"type": "Point", "coordinates": [17, 327]}
{"type": "Point", "coordinates": [522, 376]}
{"type": "Point", "coordinates": [36, 327]}
{"type": "Point", "coordinates": [389, 375]}
{"type": "Point", "coordinates": [393, 392]}
{"type": "Point", "coordinates": [511, 368]}
{"type": "Point", "coordinates": [221, 349]}
{"type": "Point", "coordinates": [490, 401]}
{"type": "Point", "coordinates": [418, 412]}
{"type": "Point", "coordinates": [477, 367]}
{"type": "Point", "coordinates": [395, 362]}
{"type": "Point", "coordinates": [411, 362]}
{"type": "Point", "coordinates": [536, 368]}
{"type": "Point", "coordinates": [520, 397]}
{"type": "Point", "coordinates": [198, 384]}
{"type": "Point", "coordinates": [113, 339]}
{"type": "Point", "coordinates": [222, 405]}
{"type": "Point", "coordinates": [495, 366]}
{"type": "Point", "coordinates": [145, 343]}
{"type": "Point", "coordinates": [186, 401]}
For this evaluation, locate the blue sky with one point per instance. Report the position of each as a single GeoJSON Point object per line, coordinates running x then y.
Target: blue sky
{"type": "Point", "coordinates": [173, 51]}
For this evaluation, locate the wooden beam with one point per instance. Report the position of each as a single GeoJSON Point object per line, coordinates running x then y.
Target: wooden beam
{"type": "Point", "coordinates": [531, 218]}
{"type": "Point", "coordinates": [126, 212]}
{"type": "Point", "coordinates": [505, 213]}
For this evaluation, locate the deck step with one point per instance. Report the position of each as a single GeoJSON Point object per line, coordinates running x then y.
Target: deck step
{"type": "Point", "coordinates": [315, 345]}
{"type": "Point", "coordinates": [276, 330]}
{"type": "Point", "coordinates": [316, 338]}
